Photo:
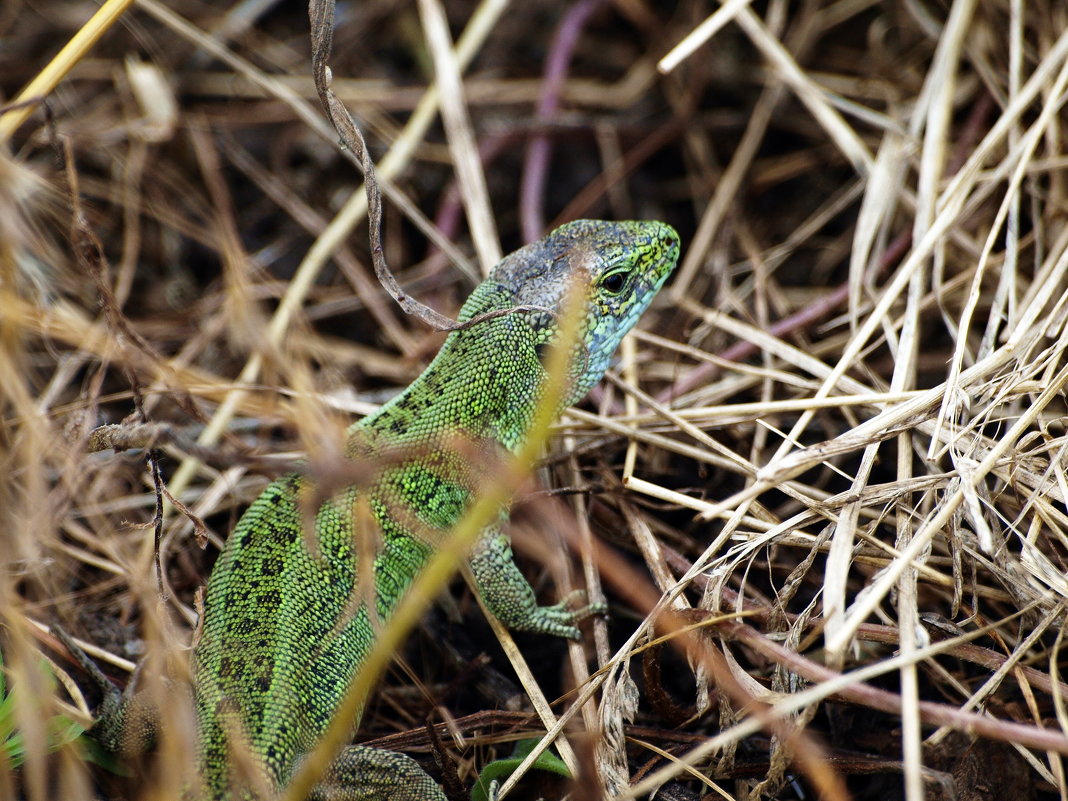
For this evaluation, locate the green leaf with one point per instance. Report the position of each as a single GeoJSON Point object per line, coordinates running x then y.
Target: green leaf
{"type": "Point", "coordinates": [61, 730]}
{"type": "Point", "coordinates": [501, 769]}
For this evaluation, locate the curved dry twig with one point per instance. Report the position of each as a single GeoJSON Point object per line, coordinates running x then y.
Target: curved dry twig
{"type": "Point", "coordinates": [321, 16]}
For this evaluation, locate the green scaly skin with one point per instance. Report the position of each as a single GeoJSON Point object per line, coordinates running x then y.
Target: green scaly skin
{"type": "Point", "coordinates": [285, 628]}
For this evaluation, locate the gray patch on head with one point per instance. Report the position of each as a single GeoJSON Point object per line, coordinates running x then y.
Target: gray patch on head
{"type": "Point", "coordinates": [538, 274]}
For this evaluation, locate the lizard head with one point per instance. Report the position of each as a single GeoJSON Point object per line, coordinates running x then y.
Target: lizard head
{"type": "Point", "coordinates": [615, 267]}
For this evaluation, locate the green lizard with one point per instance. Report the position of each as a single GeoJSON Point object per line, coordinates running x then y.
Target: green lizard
{"type": "Point", "coordinates": [286, 625]}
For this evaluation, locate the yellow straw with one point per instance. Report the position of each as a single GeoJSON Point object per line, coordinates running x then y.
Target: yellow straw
{"type": "Point", "coordinates": [58, 67]}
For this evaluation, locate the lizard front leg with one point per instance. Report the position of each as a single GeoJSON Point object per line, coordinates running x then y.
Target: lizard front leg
{"type": "Point", "coordinates": [510, 597]}
{"type": "Point", "coordinates": [126, 722]}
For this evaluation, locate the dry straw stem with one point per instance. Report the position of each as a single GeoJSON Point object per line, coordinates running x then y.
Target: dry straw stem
{"type": "Point", "coordinates": [1028, 327]}
{"type": "Point", "coordinates": [25, 103]}
{"type": "Point", "coordinates": [842, 437]}
{"type": "Point", "coordinates": [462, 144]}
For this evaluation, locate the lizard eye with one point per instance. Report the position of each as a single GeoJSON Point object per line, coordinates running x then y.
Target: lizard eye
{"type": "Point", "coordinates": [614, 282]}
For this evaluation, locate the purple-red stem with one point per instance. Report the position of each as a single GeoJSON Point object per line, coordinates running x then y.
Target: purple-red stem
{"type": "Point", "coordinates": [539, 150]}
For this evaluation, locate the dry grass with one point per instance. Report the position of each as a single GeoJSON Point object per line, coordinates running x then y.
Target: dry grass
{"type": "Point", "coordinates": [836, 449]}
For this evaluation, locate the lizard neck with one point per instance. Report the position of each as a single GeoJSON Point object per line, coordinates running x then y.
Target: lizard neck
{"type": "Point", "coordinates": [483, 385]}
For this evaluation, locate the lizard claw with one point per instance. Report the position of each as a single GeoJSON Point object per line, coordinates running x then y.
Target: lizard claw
{"type": "Point", "coordinates": [560, 619]}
